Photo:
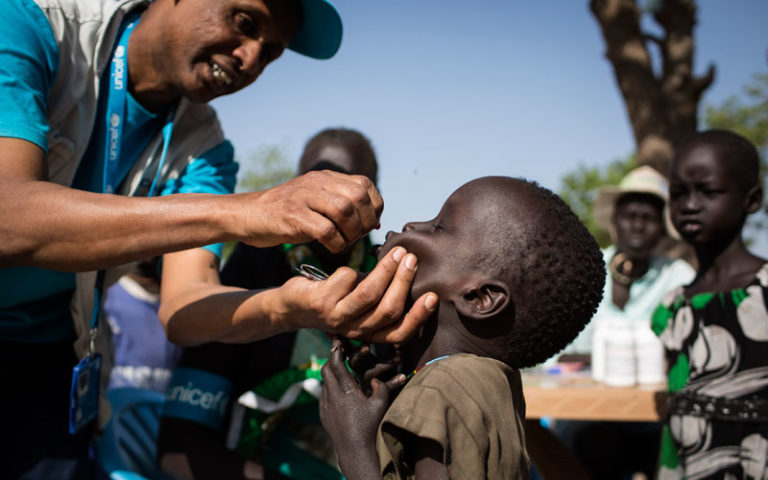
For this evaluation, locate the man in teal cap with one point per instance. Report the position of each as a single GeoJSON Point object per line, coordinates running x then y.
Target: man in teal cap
{"type": "Point", "coordinates": [109, 154]}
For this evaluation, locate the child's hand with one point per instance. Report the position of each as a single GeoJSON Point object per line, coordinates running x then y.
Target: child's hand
{"type": "Point", "coordinates": [350, 418]}
{"type": "Point", "coordinates": [368, 366]}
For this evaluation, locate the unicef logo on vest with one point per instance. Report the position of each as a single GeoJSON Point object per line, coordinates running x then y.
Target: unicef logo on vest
{"type": "Point", "coordinates": [198, 396]}
{"type": "Point", "coordinates": [119, 51]}
{"type": "Point", "coordinates": [190, 395]}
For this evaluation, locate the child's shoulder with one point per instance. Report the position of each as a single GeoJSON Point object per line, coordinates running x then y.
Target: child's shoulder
{"type": "Point", "coordinates": [681, 296]}
{"type": "Point", "coordinates": [756, 276]}
{"type": "Point", "coordinates": [467, 404]}
{"type": "Point", "coordinates": [474, 375]}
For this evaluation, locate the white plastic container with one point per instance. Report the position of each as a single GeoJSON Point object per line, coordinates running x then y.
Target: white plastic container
{"type": "Point", "coordinates": [620, 364]}
{"type": "Point", "coordinates": [649, 355]}
{"type": "Point", "coordinates": [598, 350]}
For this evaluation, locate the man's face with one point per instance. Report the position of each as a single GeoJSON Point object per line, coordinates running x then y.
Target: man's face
{"type": "Point", "coordinates": [707, 200]}
{"type": "Point", "coordinates": [451, 247]}
{"type": "Point", "coordinates": [639, 226]}
{"type": "Point", "coordinates": [217, 47]}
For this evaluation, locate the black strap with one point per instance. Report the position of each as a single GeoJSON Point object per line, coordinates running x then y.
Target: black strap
{"type": "Point", "coordinates": [749, 409]}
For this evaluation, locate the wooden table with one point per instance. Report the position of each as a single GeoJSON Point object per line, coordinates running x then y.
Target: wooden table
{"type": "Point", "coordinates": [576, 396]}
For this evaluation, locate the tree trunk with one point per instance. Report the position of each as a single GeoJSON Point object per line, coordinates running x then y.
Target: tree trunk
{"type": "Point", "coordinates": [662, 106]}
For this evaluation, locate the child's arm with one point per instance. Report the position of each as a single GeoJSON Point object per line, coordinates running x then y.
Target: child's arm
{"type": "Point", "coordinates": [351, 418]}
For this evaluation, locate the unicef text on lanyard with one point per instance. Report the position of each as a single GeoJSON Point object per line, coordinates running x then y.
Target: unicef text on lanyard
{"type": "Point", "coordinates": [84, 391]}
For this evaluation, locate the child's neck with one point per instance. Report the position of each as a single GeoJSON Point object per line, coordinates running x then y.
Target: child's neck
{"type": "Point", "coordinates": [724, 267]}
{"type": "Point", "coordinates": [439, 339]}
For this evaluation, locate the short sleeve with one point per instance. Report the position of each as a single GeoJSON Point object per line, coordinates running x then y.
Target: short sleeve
{"type": "Point", "coordinates": [432, 415]}
{"type": "Point", "coordinates": [215, 171]}
{"type": "Point", "coordinates": [29, 62]}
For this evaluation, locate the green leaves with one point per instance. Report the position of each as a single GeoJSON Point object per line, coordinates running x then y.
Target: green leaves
{"type": "Point", "coordinates": [264, 168]}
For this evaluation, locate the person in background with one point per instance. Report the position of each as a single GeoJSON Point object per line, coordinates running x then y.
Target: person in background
{"type": "Point", "coordinates": [637, 278]}
{"type": "Point", "coordinates": [715, 328]}
{"type": "Point", "coordinates": [192, 443]}
{"type": "Point", "coordinates": [144, 357]}
{"type": "Point", "coordinates": [110, 154]}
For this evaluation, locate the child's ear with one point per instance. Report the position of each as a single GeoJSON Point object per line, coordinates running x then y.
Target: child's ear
{"type": "Point", "coordinates": [484, 300]}
{"type": "Point", "coordinates": [754, 199]}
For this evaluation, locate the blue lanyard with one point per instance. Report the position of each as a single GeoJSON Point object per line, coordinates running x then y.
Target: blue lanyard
{"type": "Point", "coordinates": [115, 117]}
{"type": "Point", "coordinates": [118, 88]}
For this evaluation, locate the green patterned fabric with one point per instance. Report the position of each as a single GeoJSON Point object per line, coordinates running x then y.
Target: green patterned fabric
{"type": "Point", "coordinates": [257, 422]}
{"type": "Point", "coordinates": [716, 346]}
{"type": "Point", "coordinates": [679, 373]}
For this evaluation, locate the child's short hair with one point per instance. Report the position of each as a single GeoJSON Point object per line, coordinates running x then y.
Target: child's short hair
{"type": "Point", "coordinates": [558, 280]}
{"type": "Point", "coordinates": [347, 138]}
{"type": "Point", "coordinates": [737, 150]}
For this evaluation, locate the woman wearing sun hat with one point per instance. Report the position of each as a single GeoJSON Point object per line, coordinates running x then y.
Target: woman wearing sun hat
{"type": "Point", "coordinates": [635, 214]}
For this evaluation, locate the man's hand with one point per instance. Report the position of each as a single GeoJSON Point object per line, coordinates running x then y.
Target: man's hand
{"type": "Point", "coordinates": [352, 419]}
{"type": "Point", "coordinates": [370, 309]}
{"type": "Point", "coordinates": [331, 207]}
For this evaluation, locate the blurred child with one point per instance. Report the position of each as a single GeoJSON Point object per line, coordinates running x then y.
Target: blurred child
{"type": "Point", "coordinates": [715, 330]}
{"type": "Point", "coordinates": [518, 276]}
{"type": "Point", "coordinates": [144, 357]}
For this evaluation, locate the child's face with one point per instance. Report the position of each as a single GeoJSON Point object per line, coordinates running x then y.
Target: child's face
{"type": "Point", "coordinates": [707, 202]}
{"type": "Point", "coordinates": [448, 247]}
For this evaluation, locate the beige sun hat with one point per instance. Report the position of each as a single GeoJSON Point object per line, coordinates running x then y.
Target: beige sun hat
{"type": "Point", "coordinates": [642, 179]}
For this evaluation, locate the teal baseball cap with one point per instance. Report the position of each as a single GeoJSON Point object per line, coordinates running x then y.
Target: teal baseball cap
{"type": "Point", "coordinates": [319, 35]}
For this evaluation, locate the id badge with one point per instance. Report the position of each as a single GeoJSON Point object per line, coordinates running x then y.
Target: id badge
{"type": "Point", "coordinates": [84, 393]}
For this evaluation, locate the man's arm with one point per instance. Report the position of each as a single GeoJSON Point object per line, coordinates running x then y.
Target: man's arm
{"type": "Point", "coordinates": [196, 308]}
{"type": "Point", "coordinates": [47, 225]}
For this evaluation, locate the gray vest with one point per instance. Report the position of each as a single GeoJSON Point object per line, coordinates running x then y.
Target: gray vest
{"type": "Point", "coordinates": [85, 32]}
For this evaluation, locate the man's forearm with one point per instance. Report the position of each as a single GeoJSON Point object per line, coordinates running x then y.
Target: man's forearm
{"type": "Point", "coordinates": [43, 224]}
{"type": "Point", "coordinates": [208, 313]}
{"type": "Point", "coordinates": [46, 225]}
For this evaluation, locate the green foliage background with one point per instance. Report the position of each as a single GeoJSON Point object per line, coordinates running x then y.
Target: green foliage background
{"type": "Point", "coordinates": [262, 169]}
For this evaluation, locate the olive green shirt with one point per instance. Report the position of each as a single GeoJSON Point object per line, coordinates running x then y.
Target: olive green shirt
{"type": "Point", "coordinates": [472, 406]}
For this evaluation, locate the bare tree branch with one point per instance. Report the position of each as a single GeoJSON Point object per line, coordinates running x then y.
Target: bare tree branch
{"type": "Point", "coordinates": [662, 108]}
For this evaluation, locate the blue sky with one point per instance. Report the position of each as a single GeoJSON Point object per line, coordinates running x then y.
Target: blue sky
{"type": "Point", "coordinates": [449, 91]}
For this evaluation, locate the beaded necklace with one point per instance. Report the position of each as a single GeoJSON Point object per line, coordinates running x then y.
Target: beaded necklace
{"type": "Point", "coordinates": [418, 369]}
